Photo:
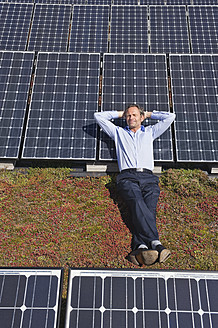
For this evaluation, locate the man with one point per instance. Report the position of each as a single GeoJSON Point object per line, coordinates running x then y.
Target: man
{"type": "Point", "coordinates": [136, 182]}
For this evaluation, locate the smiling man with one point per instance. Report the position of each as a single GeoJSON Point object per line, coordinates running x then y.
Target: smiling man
{"type": "Point", "coordinates": [136, 182]}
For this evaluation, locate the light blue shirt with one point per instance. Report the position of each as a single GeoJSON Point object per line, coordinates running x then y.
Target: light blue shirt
{"type": "Point", "coordinates": [134, 149]}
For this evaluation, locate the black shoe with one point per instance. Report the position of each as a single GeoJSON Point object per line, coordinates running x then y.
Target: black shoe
{"type": "Point", "coordinates": [164, 253]}
{"type": "Point", "coordinates": [143, 256]}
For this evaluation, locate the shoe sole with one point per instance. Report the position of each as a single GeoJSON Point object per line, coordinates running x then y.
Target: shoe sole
{"type": "Point", "coordinates": [164, 255]}
{"type": "Point", "coordinates": [147, 257]}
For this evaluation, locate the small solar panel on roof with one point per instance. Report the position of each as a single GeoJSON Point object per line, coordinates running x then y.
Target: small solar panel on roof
{"type": "Point", "coordinates": [169, 29]}
{"type": "Point", "coordinates": [50, 28]}
{"type": "Point", "coordinates": [15, 22]}
{"type": "Point", "coordinates": [90, 26]}
{"type": "Point", "coordinates": [195, 98]}
{"type": "Point", "coordinates": [203, 22]}
{"type": "Point", "coordinates": [129, 30]}
{"type": "Point", "coordinates": [15, 76]}
{"type": "Point", "coordinates": [65, 97]}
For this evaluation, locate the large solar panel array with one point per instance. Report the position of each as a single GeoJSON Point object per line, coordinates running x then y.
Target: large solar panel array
{"type": "Point", "coordinates": [169, 29]}
{"type": "Point", "coordinates": [15, 21]}
{"type": "Point", "coordinates": [136, 79]}
{"type": "Point", "coordinates": [90, 26]}
{"type": "Point", "coordinates": [112, 30]}
{"type": "Point", "coordinates": [204, 29]}
{"type": "Point", "coordinates": [160, 299]}
{"type": "Point", "coordinates": [30, 297]}
{"type": "Point", "coordinates": [195, 99]}
{"type": "Point", "coordinates": [50, 28]}
{"type": "Point", "coordinates": [65, 97]}
{"type": "Point", "coordinates": [129, 29]}
{"type": "Point", "coordinates": [15, 75]}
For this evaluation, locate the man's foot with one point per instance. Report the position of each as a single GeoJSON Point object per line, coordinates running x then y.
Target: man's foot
{"type": "Point", "coordinates": [143, 256]}
{"type": "Point", "coordinates": [163, 252]}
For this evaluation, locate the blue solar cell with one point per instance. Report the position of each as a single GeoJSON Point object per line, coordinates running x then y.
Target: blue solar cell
{"type": "Point", "coordinates": [15, 22]}
{"type": "Point", "coordinates": [90, 26]}
{"type": "Point", "coordinates": [65, 97]}
{"type": "Point", "coordinates": [203, 22]}
{"type": "Point", "coordinates": [179, 2]}
{"type": "Point", "coordinates": [15, 75]}
{"type": "Point", "coordinates": [125, 2]}
{"type": "Point", "coordinates": [129, 31]}
{"type": "Point", "coordinates": [205, 2]}
{"type": "Point", "coordinates": [169, 29]}
{"type": "Point", "coordinates": [99, 2]}
{"type": "Point", "coordinates": [152, 2]}
{"type": "Point", "coordinates": [194, 89]}
{"type": "Point", "coordinates": [135, 78]}
{"type": "Point", "coordinates": [50, 28]}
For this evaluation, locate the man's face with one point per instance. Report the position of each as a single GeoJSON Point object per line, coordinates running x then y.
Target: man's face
{"type": "Point", "coordinates": [134, 119]}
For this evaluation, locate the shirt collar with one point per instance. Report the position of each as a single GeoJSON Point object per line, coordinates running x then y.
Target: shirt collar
{"type": "Point", "coordinates": [128, 129]}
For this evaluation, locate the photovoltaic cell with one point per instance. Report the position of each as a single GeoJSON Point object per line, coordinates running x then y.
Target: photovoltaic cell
{"type": "Point", "coordinates": [205, 2]}
{"type": "Point", "coordinates": [179, 2]}
{"type": "Point", "coordinates": [90, 26]}
{"type": "Point", "coordinates": [152, 2]}
{"type": "Point", "coordinates": [15, 76]}
{"type": "Point", "coordinates": [125, 2]}
{"type": "Point", "coordinates": [129, 30]}
{"type": "Point", "coordinates": [195, 98]}
{"type": "Point", "coordinates": [203, 22]}
{"type": "Point", "coordinates": [15, 19]}
{"type": "Point", "coordinates": [169, 30]}
{"type": "Point", "coordinates": [138, 299]}
{"type": "Point", "coordinates": [99, 2]}
{"type": "Point", "coordinates": [135, 78]}
{"type": "Point", "coordinates": [30, 297]}
{"type": "Point", "coordinates": [65, 97]}
{"type": "Point", "coordinates": [50, 28]}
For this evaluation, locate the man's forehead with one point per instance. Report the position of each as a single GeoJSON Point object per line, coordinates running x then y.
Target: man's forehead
{"type": "Point", "coordinates": [133, 109]}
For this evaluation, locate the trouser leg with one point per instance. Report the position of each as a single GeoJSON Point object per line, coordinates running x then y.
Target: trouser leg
{"type": "Point", "coordinates": [141, 192]}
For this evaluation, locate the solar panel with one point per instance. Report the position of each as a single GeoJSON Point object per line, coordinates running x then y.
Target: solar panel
{"type": "Point", "coordinates": [15, 22]}
{"type": "Point", "coordinates": [15, 76]}
{"type": "Point", "coordinates": [30, 297]}
{"type": "Point", "coordinates": [203, 22]}
{"type": "Point", "coordinates": [169, 30]}
{"type": "Point", "coordinates": [90, 25]}
{"type": "Point", "coordinates": [50, 28]}
{"type": "Point", "coordinates": [195, 98]}
{"type": "Point", "coordinates": [135, 78]}
{"type": "Point", "coordinates": [65, 97]}
{"type": "Point", "coordinates": [129, 30]}
{"type": "Point", "coordinates": [138, 299]}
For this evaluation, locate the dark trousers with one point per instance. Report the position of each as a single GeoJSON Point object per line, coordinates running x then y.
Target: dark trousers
{"type": "Point", "coordinates": [140, 191]}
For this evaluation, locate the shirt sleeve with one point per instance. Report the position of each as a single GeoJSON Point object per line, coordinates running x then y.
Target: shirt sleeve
{"type": "Point", "coordinates": [104, 121]}
{"type": "Point", "coordinates": [165, 120]}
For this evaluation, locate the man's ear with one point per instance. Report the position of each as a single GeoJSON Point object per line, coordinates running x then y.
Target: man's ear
{"type": "Point", "coordinates": [142, 117]}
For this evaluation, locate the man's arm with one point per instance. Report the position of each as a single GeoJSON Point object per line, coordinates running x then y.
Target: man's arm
{"type": "Point", "coordinates": [165, 120]}
{"type": "Point", "coordinates": [104, 121]}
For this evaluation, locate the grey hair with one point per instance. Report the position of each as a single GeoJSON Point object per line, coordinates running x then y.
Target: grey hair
{"type": "Point", "coordinates": [141, 109]}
